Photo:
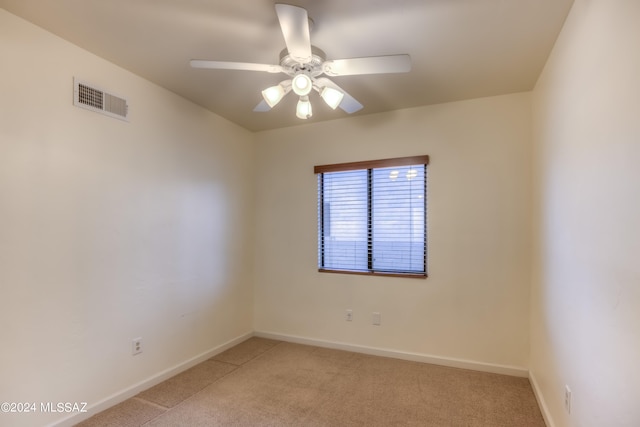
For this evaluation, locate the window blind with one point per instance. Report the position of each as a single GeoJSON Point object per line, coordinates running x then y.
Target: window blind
{"type": "Point", "coordinates": [372, 217]}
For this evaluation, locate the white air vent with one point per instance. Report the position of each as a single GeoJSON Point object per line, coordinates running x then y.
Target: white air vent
{"type": "Point", "coordinates": [94, 99]}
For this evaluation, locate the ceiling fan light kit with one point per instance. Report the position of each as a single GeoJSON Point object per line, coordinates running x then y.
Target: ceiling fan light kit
{"type": "Point", "coordinates": [305, 64]}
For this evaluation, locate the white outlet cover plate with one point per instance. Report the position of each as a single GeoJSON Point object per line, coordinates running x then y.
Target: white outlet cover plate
{"type": "Point", "coordinates": [376, 319]}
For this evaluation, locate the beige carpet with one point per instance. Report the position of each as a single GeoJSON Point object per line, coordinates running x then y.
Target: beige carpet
{"type": "Point", "coordinates": [263, 382]}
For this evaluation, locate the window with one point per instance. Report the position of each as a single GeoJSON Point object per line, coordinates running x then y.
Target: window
{"type": "Point", "coordinates": [372, 217]}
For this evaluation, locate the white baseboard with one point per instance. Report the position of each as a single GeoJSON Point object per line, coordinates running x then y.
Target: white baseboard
{"type": "Point", "coordinates": [129, 392]}
{"type": "Point", "coordinates": [541, 402]}
{"type": "Point", "coordinates": [396, 354]}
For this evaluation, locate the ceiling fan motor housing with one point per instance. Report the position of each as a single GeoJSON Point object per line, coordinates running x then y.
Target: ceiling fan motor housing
{"type": "Point", "coordinates": [312, 68]}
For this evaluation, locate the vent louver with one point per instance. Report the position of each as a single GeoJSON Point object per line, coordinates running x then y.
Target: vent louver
{"type": "Point", "coordinates": [94, 99]}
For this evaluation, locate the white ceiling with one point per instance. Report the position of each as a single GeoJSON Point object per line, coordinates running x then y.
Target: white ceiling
{"type": "Point", "coordinates": [460, 49]}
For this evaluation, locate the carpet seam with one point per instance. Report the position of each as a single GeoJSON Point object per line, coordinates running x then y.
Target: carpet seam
{"type": "Point", "coordinates": [236, 368]}
{"type": "Point", "coordinates": [159, 406]}
{"type": "Point", "coordinates": [253, 358]}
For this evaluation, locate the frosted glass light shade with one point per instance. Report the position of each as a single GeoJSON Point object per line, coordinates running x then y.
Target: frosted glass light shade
{"type": "Point", "coordinates": [332, 97]}
{"type": "Point", "coordinates": [302, 84]}
{"type": "Point", "coordinates": [303, 109]}
{"type": "Point", "coordinates": [272, 95]}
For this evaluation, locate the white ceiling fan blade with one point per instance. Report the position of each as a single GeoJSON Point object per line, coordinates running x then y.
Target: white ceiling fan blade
{"type": "Point", "coordinates": [367, 65]}
{"type": "Point", "coordinates": [224, 65]}
{"type": "Point", "coordinates": [294, 23]}
{"type": "Point", "coordinates": [262, 107]}
{"type": "Point", "coordinates": [349, 104]}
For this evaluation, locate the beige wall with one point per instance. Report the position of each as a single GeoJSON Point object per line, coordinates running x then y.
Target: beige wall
{"type": "Point", "coordinates": [586, 288]}
{"type": "Point", "coordinates": [475, 303]}
{"type": "Point", "coordinates": [111, 230]}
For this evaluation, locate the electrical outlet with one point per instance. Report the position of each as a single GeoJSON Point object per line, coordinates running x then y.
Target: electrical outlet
{"type": "Point", "coordinates": [136, 346]}
{"type": "Point", "coordinates": [376, 318]}
{"type": "Point", "coordinates": [567, 399]}
{"type": "Point", "coordinates": [348, 315]}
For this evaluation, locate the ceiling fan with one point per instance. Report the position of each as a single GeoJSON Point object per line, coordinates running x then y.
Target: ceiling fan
{"type": "Point", "coordinates": [304, 64]}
